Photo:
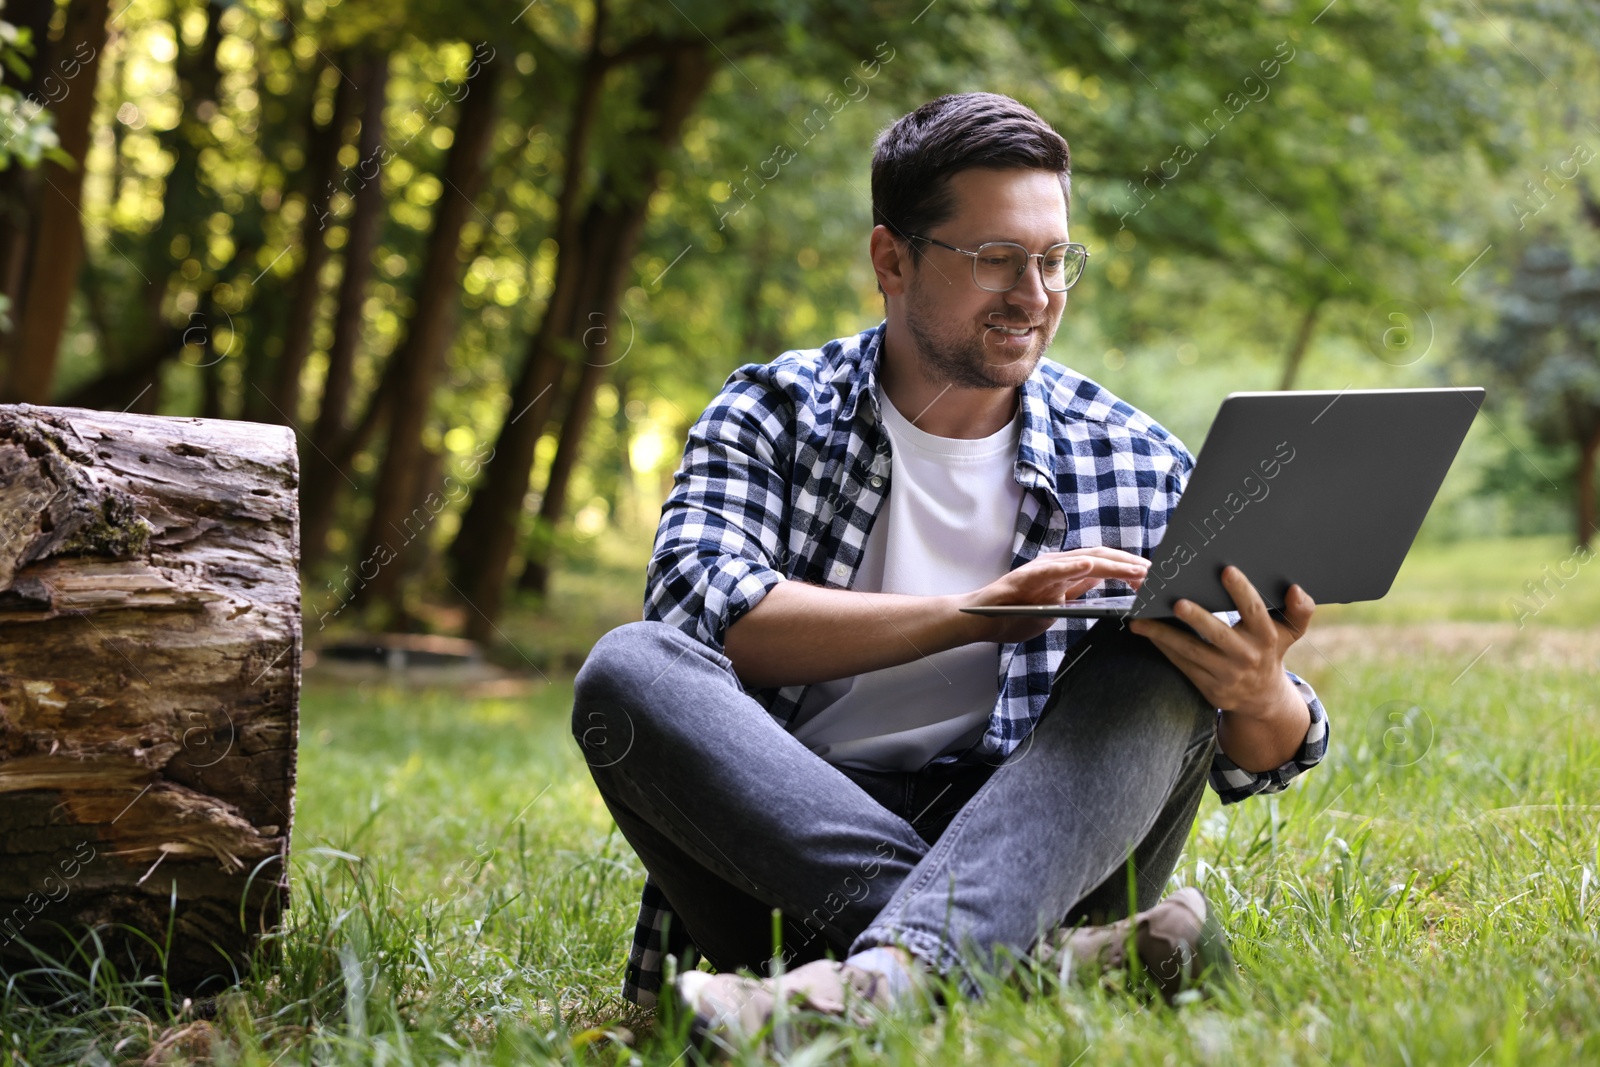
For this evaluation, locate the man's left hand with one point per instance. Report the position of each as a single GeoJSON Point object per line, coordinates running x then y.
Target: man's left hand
{"type": "Point", "coordinates": [1239, 669]}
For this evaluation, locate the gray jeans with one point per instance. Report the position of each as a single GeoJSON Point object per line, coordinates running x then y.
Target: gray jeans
{"type": "Point", "coordinates": [733, 817]}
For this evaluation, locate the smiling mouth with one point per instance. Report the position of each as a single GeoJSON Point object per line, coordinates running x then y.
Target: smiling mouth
{"type": "Point", "coordinates": [1012, 331]}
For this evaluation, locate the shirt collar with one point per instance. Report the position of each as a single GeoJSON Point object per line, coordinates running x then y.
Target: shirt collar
{"type": "Point", "coordinates": [857, 373]}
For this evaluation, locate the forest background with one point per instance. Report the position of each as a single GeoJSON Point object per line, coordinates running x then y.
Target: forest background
{"type": "Point", "coordinates": [491, 262]}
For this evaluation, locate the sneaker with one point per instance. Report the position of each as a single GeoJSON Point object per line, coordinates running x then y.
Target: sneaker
{"type": "Point", "coordinates": [727, 1011]}
{"type": "Point", "coordinates": [1179, 943]}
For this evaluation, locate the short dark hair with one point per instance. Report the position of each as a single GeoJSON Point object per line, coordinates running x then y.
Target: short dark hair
{"type": "Point", "coordinates": [913, 159]}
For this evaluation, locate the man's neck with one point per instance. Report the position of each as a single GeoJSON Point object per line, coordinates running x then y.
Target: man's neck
{"type": "Point", "coordinates": [939, 408]}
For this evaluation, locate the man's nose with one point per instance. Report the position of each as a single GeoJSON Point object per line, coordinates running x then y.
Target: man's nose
{"type": "Point", "coordinates": [1029, 293]}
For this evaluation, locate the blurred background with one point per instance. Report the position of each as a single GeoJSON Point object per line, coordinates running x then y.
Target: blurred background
{"type": "Point", "coordinates": [491, 260]}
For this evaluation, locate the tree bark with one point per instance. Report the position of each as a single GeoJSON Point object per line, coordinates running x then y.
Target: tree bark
{"type": "Point", "coordinates": [593, 266]}
{"type": "Point", "coordinates": [1302, 341]}
{"type": "Point", "coordinates": [19, 187]}
{"type": "Point", "coordinates": [486, 539]}
{"type": "Point", "coordinates": [432, 325]}
{"type": "Point", "coordinates": [149, 681]}
{"type": "Point", "coordinates": [328, 465]}
{"type": "Point", "coordinates": [57, 241]}
{"type": "Point", "coordinates": [322, 170]}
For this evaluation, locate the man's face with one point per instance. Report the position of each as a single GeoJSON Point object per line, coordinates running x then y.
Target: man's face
{"type": "Point", "coordinates": [966, 336]}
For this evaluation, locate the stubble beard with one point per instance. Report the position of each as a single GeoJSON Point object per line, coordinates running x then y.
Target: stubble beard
{"type": "Point", "coordinates": [961, 360]}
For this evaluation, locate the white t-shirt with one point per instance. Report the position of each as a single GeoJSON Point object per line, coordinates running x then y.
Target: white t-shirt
{"type": "Point", "coordinates": [947, 527]}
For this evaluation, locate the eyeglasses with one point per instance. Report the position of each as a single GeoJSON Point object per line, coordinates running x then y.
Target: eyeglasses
{"type": "Point", "coordinates": [997, 266]}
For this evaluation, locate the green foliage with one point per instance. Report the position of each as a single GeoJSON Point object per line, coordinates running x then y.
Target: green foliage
{"type": "Point", "coordinates": [29, 135]}
{"type": "Point", "coordinates": [1238, 167]}
{"type": "Point", "coordinates": [1547, 340]}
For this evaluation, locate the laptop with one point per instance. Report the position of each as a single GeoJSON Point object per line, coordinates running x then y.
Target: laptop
{"type": "Point", "coordinates": [1322, 489]}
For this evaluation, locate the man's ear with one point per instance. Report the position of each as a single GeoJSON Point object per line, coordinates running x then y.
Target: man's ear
{"type": "Point", "coordinates": [891, 261]}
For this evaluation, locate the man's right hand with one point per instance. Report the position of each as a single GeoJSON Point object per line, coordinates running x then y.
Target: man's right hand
{"type": "Point", "coordinates": [800, 633]}
{"type": "Point", "coordinates": [1053, 578]}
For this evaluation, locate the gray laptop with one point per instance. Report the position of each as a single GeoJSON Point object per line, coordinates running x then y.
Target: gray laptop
{"type": "Point", "coordinates": [1322, 489]}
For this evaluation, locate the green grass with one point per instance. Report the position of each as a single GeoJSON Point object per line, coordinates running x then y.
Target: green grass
{"type": "Point", "coordinates": [1427, 895]}
{"type": "Point", "coordinates": [1534, 579]}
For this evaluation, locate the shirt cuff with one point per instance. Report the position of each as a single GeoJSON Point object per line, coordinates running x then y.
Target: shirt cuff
{"type": "Point", "coordinates": [734, 586]}
{"type": "Point", "coordinates": [1233, 783]}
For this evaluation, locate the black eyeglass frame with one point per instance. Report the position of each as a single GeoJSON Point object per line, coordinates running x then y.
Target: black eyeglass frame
{"type": "Point", "coordinates": [1079, 250]}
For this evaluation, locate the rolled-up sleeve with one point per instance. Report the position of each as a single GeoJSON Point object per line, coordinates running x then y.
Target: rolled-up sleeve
{"type": "Point", "coordinates": [1233, 783]}
{"type": "Point", "coordinates": [719, 546]}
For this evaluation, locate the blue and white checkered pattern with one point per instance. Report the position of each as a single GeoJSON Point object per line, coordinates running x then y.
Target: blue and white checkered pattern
{"type": "Point", "coordinates": [782, 477]}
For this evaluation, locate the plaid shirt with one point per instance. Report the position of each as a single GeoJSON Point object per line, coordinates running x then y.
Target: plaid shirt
{"type": "Point", "coordinates": [782, 477]}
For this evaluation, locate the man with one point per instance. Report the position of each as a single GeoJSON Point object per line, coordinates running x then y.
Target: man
{"type": "Point", "coordinates": [807, 721]}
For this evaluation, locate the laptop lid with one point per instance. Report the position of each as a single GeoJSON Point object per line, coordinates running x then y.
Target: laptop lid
{"type": "Point", "coordinates": [1323, 489]}
{"type": "Point", "coordinates": [1320, 488]}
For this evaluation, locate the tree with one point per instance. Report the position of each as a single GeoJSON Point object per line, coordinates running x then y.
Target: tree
{"type": "Point", "coordinates": [322, 172]}
{"type": "Point", "coordinates": [1546, 345]}
{"type": "Point", "coordinates": [54, 250]}
{"type": "Point", "coordinates": [1301, 147]}
{"type": "Point", "coordinates": [417, 363]}
{"type": "Point", "coordinates": [29, 136]}
{"type": "Point", "coordinates": [332, 439]}
{"type": "Point", "coordinates": [279, 219]}
{"type": "Point", "coordinates": [597, 231]}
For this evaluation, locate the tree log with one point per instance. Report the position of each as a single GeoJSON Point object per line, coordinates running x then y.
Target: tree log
{"type": "Point", "coordinates": [149, 686]}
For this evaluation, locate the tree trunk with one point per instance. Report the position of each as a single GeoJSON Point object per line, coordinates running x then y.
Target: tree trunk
{"type": "Point", "coordinates": [486, 539]}
{"type": "Point", "coordinates": [149, 682]}
{"type": "Point", "coordinates": [428, 335]}
{"type": "Point", "coordinates": [424, 501]}
{"type": "Point", "coordinates": [271, 295]}
{"type": "Point", "coordinates": [132, 365]}
{"type": "Point", "coordinates": [624, 504]}
{"type": "Point", "coordinates": [119, 387]}
{"type": "Point", "coordinates": [57, 241]}
{"type": "Point", "coordinates": [319, 488]}
{"type": "Point", "coordinates": [595, 265]}
{"type": "Point", "coordinates": [552, 507]}
{"type": "Point", "coordinates": [1587, 526]}
{"type": "Point", "coordinates": [759, 331]}
{"type": "Point", "coordinates": [1302, 341]}
{"type": "Point", "coordinates": [19, 187]}
{"type": "Point", "coordinates": [610, 237]}
{"type": "Point", "coordinates": [122, 385]}
{"type": "Point", "coordinates": [322, 170]}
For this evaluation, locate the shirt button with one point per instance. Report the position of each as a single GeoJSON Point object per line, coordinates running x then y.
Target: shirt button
{"type": "Point", "coordinates": [840, 570]}
{"type": "Point", "coordinates": [877, 482]}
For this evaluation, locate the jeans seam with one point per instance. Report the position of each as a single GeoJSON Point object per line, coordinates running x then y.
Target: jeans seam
{"type": "Point", "coordinates": [930, 948]}
{"type": "Point", "coordinates": [946, 841]}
